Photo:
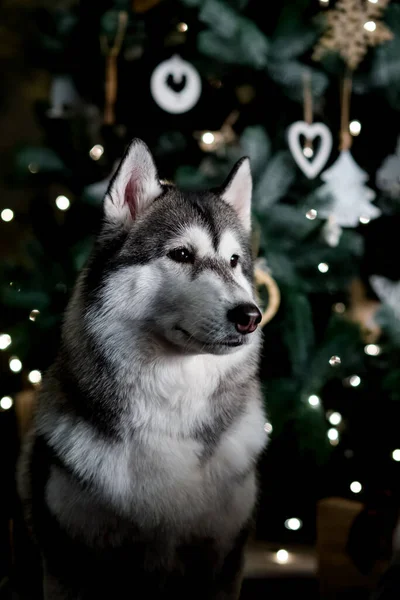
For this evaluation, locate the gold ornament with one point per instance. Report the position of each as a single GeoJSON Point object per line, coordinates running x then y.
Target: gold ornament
{"type": "Point", "coordinates": [353, 26]}
{"type": "Point", "coordinates": [362, 311]}
{"type": "Point", "coordinates": [264, 279]}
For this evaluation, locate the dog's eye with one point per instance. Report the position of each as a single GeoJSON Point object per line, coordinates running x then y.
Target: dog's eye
{"type": "Point", "coordinates": [234, 260]}
{"type": "Point", "coordinates": [182, 255]}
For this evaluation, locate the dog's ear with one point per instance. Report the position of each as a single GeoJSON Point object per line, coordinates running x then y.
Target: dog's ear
{"type": "Point", "coordinates": [237, 190]}
{"type": "Point", "coordinates": [134, 186]}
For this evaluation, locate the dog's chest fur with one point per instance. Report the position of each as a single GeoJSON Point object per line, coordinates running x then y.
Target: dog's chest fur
{"type": "Point", "coordinates": [190, 436]}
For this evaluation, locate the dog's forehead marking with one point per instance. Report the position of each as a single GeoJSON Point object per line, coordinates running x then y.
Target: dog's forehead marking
{"type": "Point", "coordinates": [228, 245]}
{"type": "Point", "coordinates": [198, 238]}
{"type": "Point", "coordinates": [201, 241]}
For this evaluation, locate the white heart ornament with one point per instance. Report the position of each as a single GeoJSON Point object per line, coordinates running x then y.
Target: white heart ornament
{"type": "Point", "coordinates": [310, 168]}
{"type": "Point", "coordinates": [170, 100]}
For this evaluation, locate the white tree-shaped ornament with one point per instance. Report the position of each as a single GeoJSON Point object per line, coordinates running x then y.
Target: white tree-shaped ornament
{"type": "Point", "coordinates": [388, 175]}
{"type": "Point", "coordinates": [387, 291]}
{"type": "Point", "coordinates": [347, 197]}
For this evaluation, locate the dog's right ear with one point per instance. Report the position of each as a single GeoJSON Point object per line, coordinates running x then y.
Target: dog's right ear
{"type": "Point", "coordinates": [134, 186]}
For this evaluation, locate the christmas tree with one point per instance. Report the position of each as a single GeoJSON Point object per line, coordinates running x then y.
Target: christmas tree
{"type": "Point", "coordinates": [204, 82]}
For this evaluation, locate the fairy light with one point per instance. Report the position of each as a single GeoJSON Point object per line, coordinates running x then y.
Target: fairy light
{"type": "Point", "coordinates": [339, 308]}
{"type": "Point", "coordinates": [373, 1]}
{"type": "Point", "coordinates": [311, 214]}
{"type": "Point", "coordinates": [208, 137]}
{"type": "Point", "coordinates": [335, 418]}
{"type": "Point", "coordinates": [335, 361]}
{"type": "Point", "coordinates": [268, 428]}
{"type": "Point", "coordinates": [372, 349]}
{"type": "Point", "coordinates": [370, 26]}
{"type": "Point", "coordinates": [355, 128]}
{"type": "Point", "coordinates": [35, 376]}
{"type": "Point", "coordinates": [324, 2]}
{"type": "Point", "coordinates": [364, 220]}
{"type": "Point", "coordinates": [314, 400]}
{"type": "Point", "coordinates": [96, 152]}
{"type": "Point", "coordinates": [5, 341]}
{"type": "Point", "coordinates": [293, 524]}
{"type": "Point", "coordinates": [15, 364]}
{"type": "Point", "coordinates": [323, 267]}
{"type": "Point", "coordinates": [182, 27]}
{"type": "Point", "coordinates": [396, 455]}
{"type": "Point", "coordinates": [333, 434]}
{"type": "Point", "coordinates": [355, 380]}
{"type": "Point", "coordinates": [7, 215]}
{"type": "Point", "coordinates": [6, 402]}
{"type": "Point", "coordinates": [62, 203]}
{"type": "Point", "coordinates": [355, 487]}
{"type": "Point", "coordinates": [282, 556]}
{"type": "Point", "coordinates": [308, 152]}
{"type": "Point", "coordinates": [34, 314]}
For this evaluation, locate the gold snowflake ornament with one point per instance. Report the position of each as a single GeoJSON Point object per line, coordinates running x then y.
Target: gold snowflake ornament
{"type": "Point", "coordinates": [353, 26]}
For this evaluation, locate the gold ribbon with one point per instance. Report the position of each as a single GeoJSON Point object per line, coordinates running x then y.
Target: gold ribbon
{"type": "Point", "coordinates": [111, 77]}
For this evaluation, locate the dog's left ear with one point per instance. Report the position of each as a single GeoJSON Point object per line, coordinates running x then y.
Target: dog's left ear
{"type": "Point", "coordinates": [237, 190]}
{"type": "Point", "coordinates": [134, 186]}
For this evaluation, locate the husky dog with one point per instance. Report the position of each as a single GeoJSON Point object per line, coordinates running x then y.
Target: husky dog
{"type": "Point", "coordinates": [139, 474]}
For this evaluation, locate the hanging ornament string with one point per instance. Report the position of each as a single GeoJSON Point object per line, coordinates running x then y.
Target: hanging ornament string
{"type": "Point", "coordinates": [345, 137]}
{"type": "Point", "coordinates": [111, 76]}
{"type": "Point", "coordinates": [308, 110]}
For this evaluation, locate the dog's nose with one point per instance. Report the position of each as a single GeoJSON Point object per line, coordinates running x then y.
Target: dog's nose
{"type": "Point", "coordinates": [246, 317]}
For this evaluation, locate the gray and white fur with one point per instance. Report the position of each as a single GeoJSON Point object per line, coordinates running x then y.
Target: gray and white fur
{"type": "Point", "coordinates": [139, 476]}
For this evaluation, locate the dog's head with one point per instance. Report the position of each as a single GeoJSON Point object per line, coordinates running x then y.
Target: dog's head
{"type": "Point", "coordinates": [176, 265]}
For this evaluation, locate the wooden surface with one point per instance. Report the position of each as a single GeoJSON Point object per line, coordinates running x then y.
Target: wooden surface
{"type": "Point", "coordinates": [336, 572]}
{"type": "Point", "coordinates": [261, 561]}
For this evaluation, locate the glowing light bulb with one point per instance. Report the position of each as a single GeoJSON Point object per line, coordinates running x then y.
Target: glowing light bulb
{"type": "Point", "coordinates": [35, 376]}
{"type": "Point", "coordinates": [62, 203]}
{"type": "Point", "coordinates": [293, 524]}
{"type": "Point", "coordinates": [208, 137]}
{"type": "Point", "coordinates": [339, 308]}
{"type": "Point", "coordinates": [311, 214]}
{"type": "Point", "coordinates": [364, 220]}
{"type": "Point", "coordinates": [355, 128]}
{"type": "Point", "coordinates": [308, 152]}
{"type": "Point", "coordinates": [355, 380]}
{"type": "Point", "coordinates": [355, 487]}
{"type": "Point", "coordinates": [182, 27]}
{"type": "Point", "coordinates": [34, 314]}
{"type": "Point", "coordinates": [282, 556]}
{"type": "Point", "coordinates": [335, 418]}
{"type": "Point", "coordinates": [333, 434]}
{"type": "Point", "coordinates": [268, 428]}
{"type": "Point", "coordinates": [324, 2]}
{"type": "Point", "coordinates": [5, 341]}
{"type": "Point", "coordinates": [6, 402]}
{"type": "Point", "coordinates": [96, 152]}
{"type": "Point", "coordinates": [373, 1]}
{"type": "Point", "coordinates": [323, 267]}
{"type": "Point", "coordinates": [7, 215]}
{"type": "Point", "coordinates": [15, 364]}
{"type": "Point", "coordinates": [370, 26]}
{"type": "Point", "coordinates": [313, 400]}
{"type": "Point", "coordinates": [372, 349]}
{"type": "Point", "coordinates": [396, 455]}
{"type": "Point", "coordinates": [335, 361]}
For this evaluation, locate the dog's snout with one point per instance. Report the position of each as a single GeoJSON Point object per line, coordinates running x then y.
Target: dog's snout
{"type": "Point", "coordinates": [245, 317]}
